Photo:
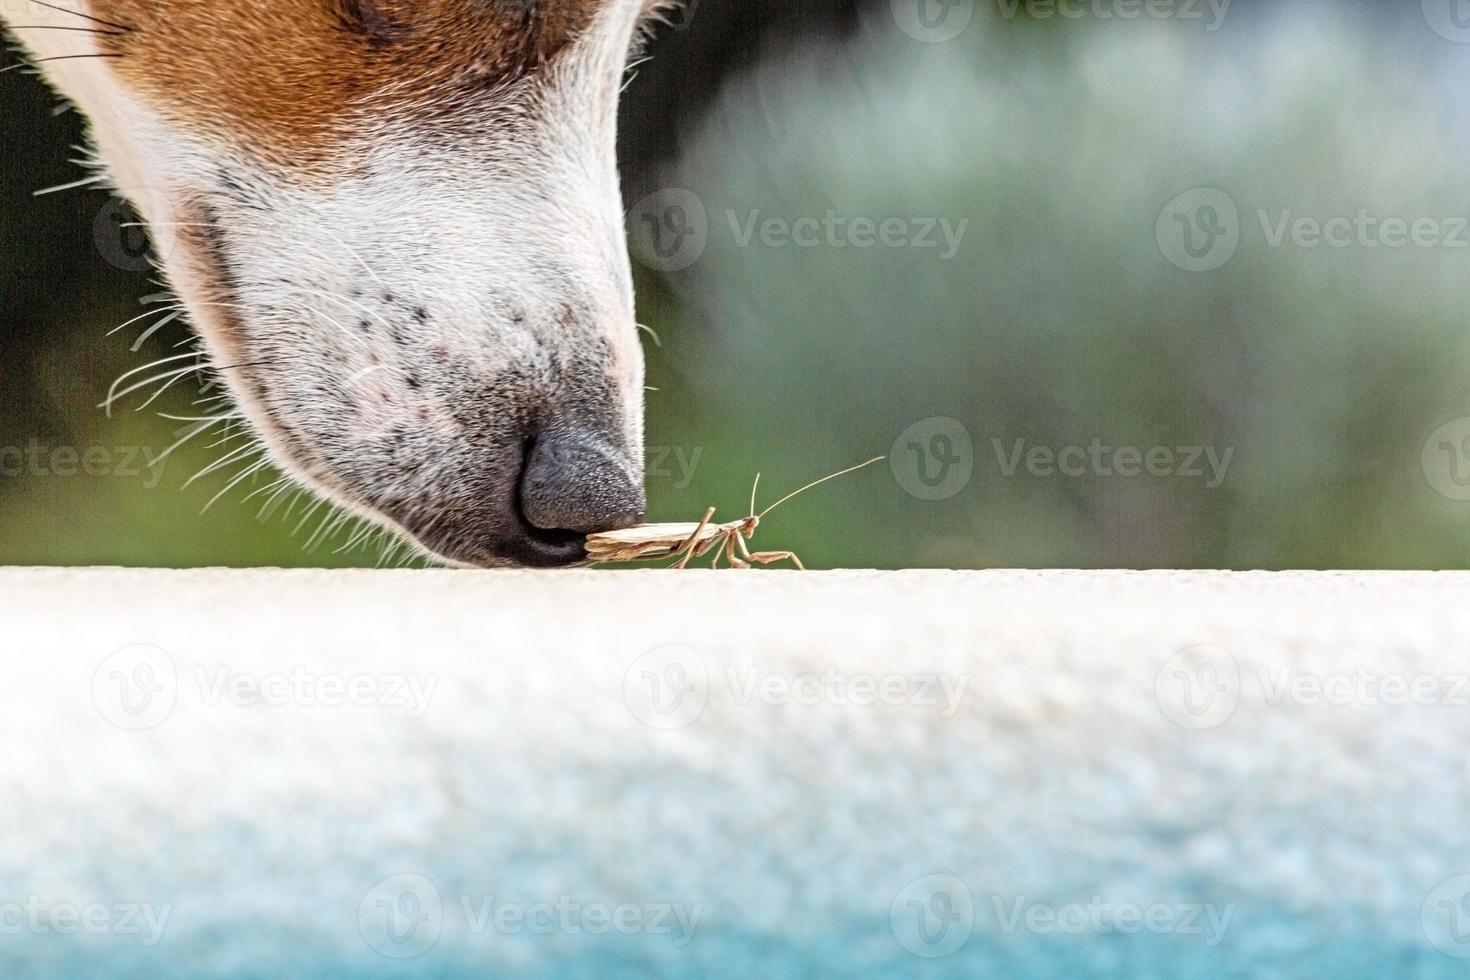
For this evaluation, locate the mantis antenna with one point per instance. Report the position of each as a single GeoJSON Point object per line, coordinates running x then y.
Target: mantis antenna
{"type": "Point", "coordinates": [809, 486]}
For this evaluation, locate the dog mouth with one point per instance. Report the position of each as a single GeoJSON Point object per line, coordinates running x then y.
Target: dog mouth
{"type": "Point", "coordinates": [482, 523]}
{"type": "Point", "coordinates": [549, 549]}
{"type": "Point", "coordinates": [468, 543]}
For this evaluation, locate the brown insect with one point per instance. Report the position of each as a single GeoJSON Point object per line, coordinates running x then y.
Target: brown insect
{"type": "Point", "coordinates": [686, 542]}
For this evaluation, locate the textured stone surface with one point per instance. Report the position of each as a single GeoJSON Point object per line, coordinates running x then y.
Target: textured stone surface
{"type": "Point", "coordinates": [695, 758]}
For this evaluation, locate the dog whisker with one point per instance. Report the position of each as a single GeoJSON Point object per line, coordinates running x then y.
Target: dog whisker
{"type": "Point", "coordinates": [226, 460]}
{"type": "Point", "coordinates": [239, 478]}
{"type": "Point", "coordinates": [112, 392]}
{"type": "Point", "coordinates": [56, 57]}
{"type": "Point", "coordinates": [153, 329]}
{"type": "Point", "coordinates": [73, 185]}
{"type": "Point", "coordinates": [77, 13]}
{"type": "Point", "coordinates": [64, 27]}
{"type": "Point", "coordinates": [196, 430]}
{"type": "Point", "coordinates": [142, 316]}
{"type": "Point", "coordinates": [169, 379]}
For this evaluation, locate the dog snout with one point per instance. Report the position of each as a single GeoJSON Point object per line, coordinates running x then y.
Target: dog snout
{"type": "Point", "coordinates": [578, 481]}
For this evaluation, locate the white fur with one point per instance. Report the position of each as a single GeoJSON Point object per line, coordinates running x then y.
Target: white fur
{"type": "Point", "coordinates": [504, 220]}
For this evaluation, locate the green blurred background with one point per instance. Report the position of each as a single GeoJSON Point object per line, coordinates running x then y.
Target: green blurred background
{"type": "Point", "coordinates": [1131, 262]}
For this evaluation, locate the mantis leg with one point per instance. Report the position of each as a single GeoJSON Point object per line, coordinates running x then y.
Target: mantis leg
{"type": "Point", "coordinates": [771, 557]}
{"type": "Point", "coordinates": [724, 542]}
{"type": "Point", "coordinates": [743, 559]}
{"type": "Point", "coordinates": [688, 548]}
{"type": "Point", "coordinates": [767, 557]}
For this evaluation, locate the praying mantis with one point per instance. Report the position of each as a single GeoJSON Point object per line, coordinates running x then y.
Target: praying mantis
{"type": "Point", "coordinates": [685, 542]}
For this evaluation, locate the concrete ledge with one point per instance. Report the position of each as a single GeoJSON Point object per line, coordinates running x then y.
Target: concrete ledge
{"type": "Point", "coordinates": [606, 775]}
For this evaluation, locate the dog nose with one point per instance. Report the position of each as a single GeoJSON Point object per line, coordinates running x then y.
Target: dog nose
{"type": "Point", "coordinates": [579, 482]}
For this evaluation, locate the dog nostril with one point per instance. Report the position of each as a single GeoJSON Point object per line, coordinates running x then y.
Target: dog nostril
{"type": "Point", "coordinates": [580, 483]}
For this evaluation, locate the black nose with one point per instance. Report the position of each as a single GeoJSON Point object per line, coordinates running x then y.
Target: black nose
{"type": "Point", "coordinates": [579, 482]}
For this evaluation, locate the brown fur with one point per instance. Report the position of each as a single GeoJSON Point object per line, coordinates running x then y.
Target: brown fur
{"type": "Point", "coordinates": [291, 78]}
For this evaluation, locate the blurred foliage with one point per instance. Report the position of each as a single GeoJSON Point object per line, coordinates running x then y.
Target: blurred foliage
{"type": "Point", "coordinates": [1058, 321]}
